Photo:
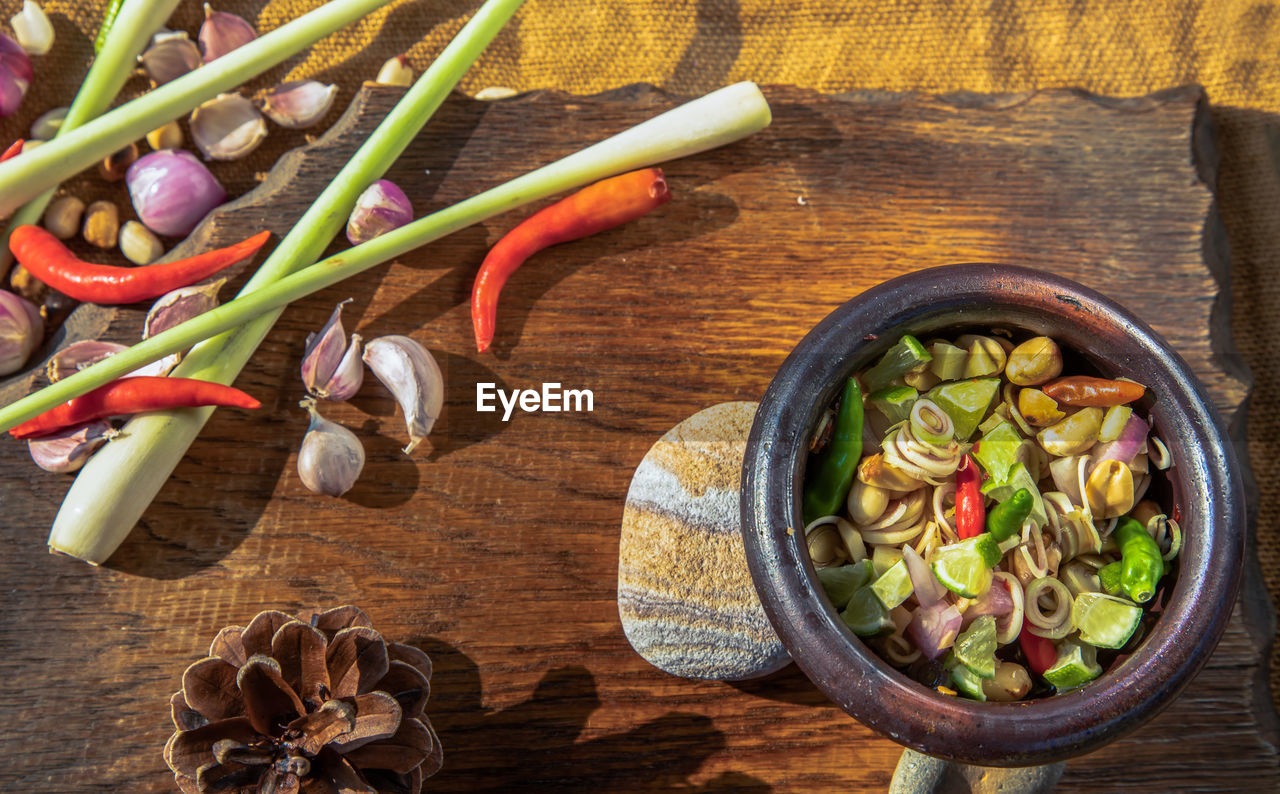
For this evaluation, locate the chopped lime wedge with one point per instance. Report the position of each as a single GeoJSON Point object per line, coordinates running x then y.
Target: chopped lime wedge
{"type": "Point", "coordinates": [840, 583]}
{"type": "Point", "coordinates": [1077, 664]}
{"type": "Point", "coordinates": [1105, 621]}
{"type": "Point", "coordinates": [998, 449]}
{"type": "Point", "coordinates": [894, 402]}
{"type": "Point", "coordinates": [966, 402]}
{"type": "Point", "coordinates": [894, 586]}
{"type": "Point", "coordinates": [885, 557]}
{"type": "Point", "coordinates": [866, 616]}
{"type": "Point", "coordinates": [968, 682]}
{"type": "Point", "coordinates": [948, 361]}
{"type": "Point", "coordinates": [975, 648]}
{"type": "Point", "coordinates": [1018, 477]}
{"type": "Point", "coordinates": [965, 567]}
{"type": "Point", "coordinates": [906, 354]}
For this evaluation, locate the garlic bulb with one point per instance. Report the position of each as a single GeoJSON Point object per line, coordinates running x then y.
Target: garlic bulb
{"type": "Point", "coordinates": [227, 127]}
{"type": "Point", "coordinates": [331, 457]}
{"type": "Point", "coordinates": [299, 104]}
{"type": "Point", "coordinates": [413, 377]}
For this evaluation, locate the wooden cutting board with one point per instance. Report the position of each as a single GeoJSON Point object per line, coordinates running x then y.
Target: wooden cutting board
{"type": "Point", "coordinates": [495, 550]}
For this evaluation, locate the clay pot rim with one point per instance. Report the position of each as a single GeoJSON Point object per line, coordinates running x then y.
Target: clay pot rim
{"type": "Point", "coordinates": [1206, 480]}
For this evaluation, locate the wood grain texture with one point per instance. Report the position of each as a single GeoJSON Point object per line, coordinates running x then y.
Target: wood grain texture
{"type": "Point", "coordinates": [496, 549]}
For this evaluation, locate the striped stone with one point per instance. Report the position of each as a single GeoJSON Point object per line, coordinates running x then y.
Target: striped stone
{"type": "Point", "coordinates": [685, 596]}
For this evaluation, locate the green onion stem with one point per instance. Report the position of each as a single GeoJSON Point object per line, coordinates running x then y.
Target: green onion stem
{"type": "Point", "coordinates": [134, 23]}
{"type": "Point", "coordinates": [107, 498]}
{"type": "Point", "coordinates": [122, 478]}
{"type": "Point", "coordinates": [23, 178]}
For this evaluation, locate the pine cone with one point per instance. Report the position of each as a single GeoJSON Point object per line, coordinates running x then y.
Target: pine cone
{"type": "Point", "coordinates": [287, 705]}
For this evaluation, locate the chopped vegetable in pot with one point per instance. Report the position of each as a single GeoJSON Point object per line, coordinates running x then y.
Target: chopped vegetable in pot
{"type": "Point", "coordinates": [994, 540]}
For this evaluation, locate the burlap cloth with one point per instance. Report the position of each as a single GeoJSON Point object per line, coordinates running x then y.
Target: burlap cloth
{"type": "Point", "coordinates": [1231, 47]}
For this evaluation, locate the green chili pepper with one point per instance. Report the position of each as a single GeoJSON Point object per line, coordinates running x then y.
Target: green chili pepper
{"type": "Point", "coordinates": [828, 482]}
{"type": "Point", "coordinates": [1005, 519]}
{"type": "Point", "coordinates": [1140, 559]}
{"type": "Point", "coordinates": [108, 18]}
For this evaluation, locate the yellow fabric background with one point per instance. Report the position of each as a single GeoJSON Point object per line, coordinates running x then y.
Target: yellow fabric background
{"type": "Point", "coordinates": [1231, 47]}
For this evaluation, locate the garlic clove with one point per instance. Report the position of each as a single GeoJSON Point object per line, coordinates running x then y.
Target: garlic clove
{"type": "Point", "coordinates": [223, 32]}
{"type": "Point", "coordinates": [299, 104]}
{"type": "Point", "coordinates": [87, 352]}
{"type": "Point", "coordinates": [331, 457]}
{"type": "Point", "coordinates": [47, 124]}
{"type": "Point", "coordinates": [382, 206]}
{"type": "Point", "coordinates": [32, 29]}
{"type": "Point", "coordinates": [171, 55]}
{"type": "Point", "coordinates": [413, 377]}
{"type": "Point", "coordinates": [174, 309]}
{"type": "Point", "coordinates": [78, 355]}
{"type": "Point", "coordinates": [69, 449]}
{"type": "Point", "coordinates": [348, 377]}
{"type": "Point", "coordinates": [180, 305]}
{"type": "Point", "coordinates": [396, 71]}
{"type": "Point", "coordinates": [227, 127]}
{"type": "Point", "coordinates": [324, 352]}
{"type": "Point", "coordinates": [21, 329]}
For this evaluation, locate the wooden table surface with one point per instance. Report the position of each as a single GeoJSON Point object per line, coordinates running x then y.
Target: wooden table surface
{"type": "Point", "coordinates": [494, 548]}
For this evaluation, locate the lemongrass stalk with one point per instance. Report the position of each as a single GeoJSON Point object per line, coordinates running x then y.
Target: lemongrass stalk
{"type": "Point", "coordinates": [131, 29]}
{"type": "Point", "coordinates": [122, 478]}
{"type": "Point", "coordinates": [96, 515]}
{"type": "Point", "coordinates": [23, 178]}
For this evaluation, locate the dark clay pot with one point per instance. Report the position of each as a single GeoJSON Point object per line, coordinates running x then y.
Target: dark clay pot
{"type": "Point", "coordinates": [1206, 488]}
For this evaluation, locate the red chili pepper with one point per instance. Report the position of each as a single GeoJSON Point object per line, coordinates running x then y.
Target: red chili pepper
{"type": "Point", "coordinates": [971, 515]}
{"type": "Point", "coordinates": [593, 209]}
{"type": "Point", "coordinates": [1082, 391]}
{"type": "Point", "coordinates": [53, 263]}
{"type": "Point", "coordinates": [13, 151]}
{"type": "Point", "coordinates": [1040, 651]}
{"type": "Point", "coordinates": [130, 396]}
